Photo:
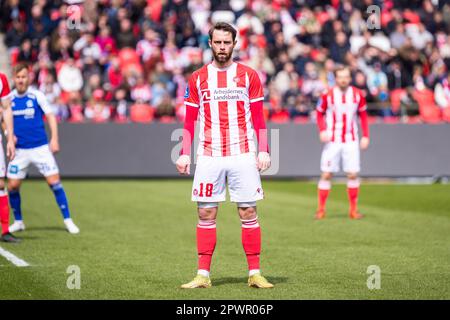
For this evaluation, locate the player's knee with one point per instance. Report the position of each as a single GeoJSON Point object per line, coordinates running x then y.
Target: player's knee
{"type": "Point", "coordinates": [53, 179]}
{"type": "Point", "coordinates": [207, 210]}
{"type": "Point", "coordinates": [13, 185]}
{"type": "Point", "coordinates": [326, 176]}
{"type": "Point", "coordinates": [247, 211]}
{"type": "Point", "coordinates": [352, 176]}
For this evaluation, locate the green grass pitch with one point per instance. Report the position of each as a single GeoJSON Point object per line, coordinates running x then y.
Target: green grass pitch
{"type": "Point", "coordinates": [137, 241]}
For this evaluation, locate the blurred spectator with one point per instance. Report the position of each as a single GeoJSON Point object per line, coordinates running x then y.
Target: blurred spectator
{"type": "Point", "coordinates": [125, 37]}
{"type": "Point", "coordinates": [339, 47]}
{"type": "Point", "coordinates": [442, 93]}
{"type": "Point", "coordinates": [87, 48]}
{"type": "Point", "coordinates": [52, 91]}
{"type": "Point", "coordinates": [419, 35]}
{"type": "Point", "coordinates": [283, 77]}
{"type": "Point", "coordinates": [106, 42]}
{"type": "Point", "coordinates": [141, 91]}
{"type": "Point", "coordinates": [312, 87]}
{"type": "Point", "coordinates": [26, 52]}
{"type": "Point", "coordinates": [121, 102]}
{"type": "Point", "coordinates": [378, 87]}
{"type": "Point", "coordinates": [96, 109]}
{"type": "Point", "coordinates": [69, 77]}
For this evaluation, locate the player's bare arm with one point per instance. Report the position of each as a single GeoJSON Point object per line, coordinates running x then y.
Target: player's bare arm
{"type": "Point", "coordinates": [263, 159]}
{"type": "Point", "coordinates": [183, 163]}
{"type": "Point", "coordinates": [8, 128]}
{"type": "Point", "coordinates": [324, 136]}
{"type": "Point", "coordinates": [54, 140]}
{"type": "Point", "coordinates": [321, 123]}
{"type": "Point", "coordinates": [364, 144]}
{"type": "Point", "coordinates": [363, 117]}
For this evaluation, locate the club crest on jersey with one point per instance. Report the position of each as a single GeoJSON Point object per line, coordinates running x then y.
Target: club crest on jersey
{"type": "Point", "coordinates": [236, 79]}
{"type": "Point", "coordinates": [195, 192]}
{"type": "Point", "coordinates": [29, 104]}
{"type": "Point", "coordinates": [186, 93]}
{"type": "Point", "coordinates": [206, 95]}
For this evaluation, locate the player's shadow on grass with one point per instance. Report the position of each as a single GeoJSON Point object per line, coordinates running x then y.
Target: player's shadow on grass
{"type": "Point", "coordinates": [47, 229]}
{"type": "Point", "coordinates": [234, 280]}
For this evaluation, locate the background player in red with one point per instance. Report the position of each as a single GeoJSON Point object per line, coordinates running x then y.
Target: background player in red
{"type": "Point", "coordinates": [228, 98]}
{"type": "Point", "coordinates": [336, 117]}
{"type": "Point", "coordinates": [6, 114]}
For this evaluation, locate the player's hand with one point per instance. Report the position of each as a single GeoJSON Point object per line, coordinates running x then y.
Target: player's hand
{"type": "Point", "coordinates": [54, 146]}
{"type": "Point", "coordinates": [11, 149]}
{"type": "Point", "coordinates": [364, 144]}
{"type": "Point", "coordinates": [324, 136]}
{"type": "Point", "coordinates": [184, 164]}
{"type": "Point", "coordinates": [263, 161]}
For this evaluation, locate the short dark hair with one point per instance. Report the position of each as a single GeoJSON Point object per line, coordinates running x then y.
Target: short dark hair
{"type": "Point", "coordinates": [225, 27]}
{"type": "Point", "coordinates": [19, 67]}
{"type": "Point", "coordinates": [341, 68]}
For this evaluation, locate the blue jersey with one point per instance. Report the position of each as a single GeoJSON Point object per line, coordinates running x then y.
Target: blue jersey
{"type": "Point", "coordinates": [28, 111]}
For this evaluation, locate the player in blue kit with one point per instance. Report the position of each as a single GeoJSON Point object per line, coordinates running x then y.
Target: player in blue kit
{"type": "Point", "coordinates": [32, 147]}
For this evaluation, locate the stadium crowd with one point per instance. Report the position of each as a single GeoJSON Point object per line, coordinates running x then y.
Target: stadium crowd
{"type": "Point", "coordinates": [119, 60]}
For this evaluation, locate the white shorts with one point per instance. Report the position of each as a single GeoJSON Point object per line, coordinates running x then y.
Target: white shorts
{"type": "Point", "coordinates": [333, 152]}
{"type": "Point", "coordinates": [41, 157]}
{"type": "Point", "coordinates": [241, 172]}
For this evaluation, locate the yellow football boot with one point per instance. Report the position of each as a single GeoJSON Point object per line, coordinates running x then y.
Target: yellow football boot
{"type": "Point", "coordinates": [198, 282]}
{"type": "Point", "coordinates": [258, 281]}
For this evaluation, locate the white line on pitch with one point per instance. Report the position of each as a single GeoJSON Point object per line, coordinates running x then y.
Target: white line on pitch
{"type": "Point", "coordinates": [14, 259]}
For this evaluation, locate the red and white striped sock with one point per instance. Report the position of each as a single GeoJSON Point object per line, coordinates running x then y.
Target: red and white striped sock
{"type": "Point", "coordinates": [353, 190]}
{"type": "Point", "coordinates": [251, 241]}
{"type": "Point", "coordinates": [323, 189]}
{"type": "Point", "coordinates": [206, 243]}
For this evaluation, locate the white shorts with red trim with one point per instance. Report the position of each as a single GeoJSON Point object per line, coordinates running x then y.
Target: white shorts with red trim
{"type": "Point", "coordinates": [333, 152]}
{"type": "Point", "coordinates": [213, 173]}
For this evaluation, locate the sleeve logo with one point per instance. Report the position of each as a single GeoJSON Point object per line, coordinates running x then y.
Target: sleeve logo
{"type": "Point", "coordinates": [186, 93]}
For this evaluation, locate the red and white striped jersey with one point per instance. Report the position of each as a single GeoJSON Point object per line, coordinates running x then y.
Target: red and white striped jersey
{"type": "Point", "coordinates": [4, 87]}
{"type": "Point", "coordinates": [341, 110]}
{"type": "Point", "coordinates": [223, 97]}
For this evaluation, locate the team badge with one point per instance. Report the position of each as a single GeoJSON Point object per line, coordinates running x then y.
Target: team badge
{"type": "Point", "coordinates": [186, 93]}
{"type": "Point", "coordinates": [236, 79]}
{"type": "Point", "coordinates": [13, 169]}
{"type": "Point", "coordinates": [195, 192]}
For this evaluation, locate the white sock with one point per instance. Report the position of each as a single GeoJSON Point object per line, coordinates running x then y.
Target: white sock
{"type": "Point", "coordinates": [204, 273]}
{"type": "Point", "coordinates": [253, 272]}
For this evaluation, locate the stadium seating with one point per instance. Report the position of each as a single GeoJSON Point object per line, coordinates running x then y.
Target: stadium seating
{"type": "Point", "coordinates": [429, 111]}
{"type": "Point", "coordinates": [142, 113]}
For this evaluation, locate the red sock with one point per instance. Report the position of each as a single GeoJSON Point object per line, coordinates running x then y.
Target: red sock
{"type": "Point", "coordinates": [4, 213]}
{"type": "Point", "coordinates": [323, 191]}
{"type": "Point", "coordinates": [206, 243]}
{"type": "Point", "coordinates": [352, 190]}
{"type": "Point", "coordinates": [251, 241]}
